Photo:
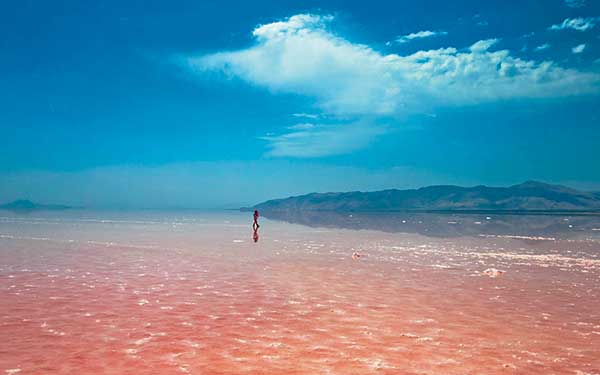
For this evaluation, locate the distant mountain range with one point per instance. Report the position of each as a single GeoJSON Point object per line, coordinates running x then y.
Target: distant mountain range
{"type": "Point", "coordinates": [26, 205]}
{"type": "Point", "coordinates": [528, 196]}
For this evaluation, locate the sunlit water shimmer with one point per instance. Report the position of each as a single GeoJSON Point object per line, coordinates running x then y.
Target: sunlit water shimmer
{"type": "Point", "coordinates": [191, 293]}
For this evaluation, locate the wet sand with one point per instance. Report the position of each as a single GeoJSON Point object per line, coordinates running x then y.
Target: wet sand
{"type": "Point", "coordinates": [192, 294]}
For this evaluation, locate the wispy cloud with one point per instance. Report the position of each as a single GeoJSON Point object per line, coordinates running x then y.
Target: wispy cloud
{"type": "Point", "coordinates": [482, 46]}
{"type": "Point", "coordinates": [579, 24]}
{"type": "Point", "coordinates": [306, 115]}
{"type": "Point", "coordinates": [419, 35]}
{"type": "Point", "coordinates": [317, 140]}
{"type": "Point", "coordinates": [480, 22]}
{"type": "Point", "coordinates": [575, 3]}
{"type": "Point", "coordinates": [578, 49]}
{"type": "Point", "coordinates": [302, 126]}
{"type": "Point", "coordinates": [542, 47]}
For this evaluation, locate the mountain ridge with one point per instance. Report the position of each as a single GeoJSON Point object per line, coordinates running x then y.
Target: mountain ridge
{"type": "Point", "coordinates": [27, 205]}
{"type": "Point", "coordinates": [527, 196]}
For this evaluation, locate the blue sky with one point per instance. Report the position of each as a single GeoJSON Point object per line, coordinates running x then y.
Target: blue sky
{"type": "Point", "coordinates": [214, 104]}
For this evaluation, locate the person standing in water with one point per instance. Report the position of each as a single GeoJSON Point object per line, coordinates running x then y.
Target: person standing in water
{"type": "Point", "coordinates": [255, 226]}
{"type": "Point", "coordinates": [256, 215]}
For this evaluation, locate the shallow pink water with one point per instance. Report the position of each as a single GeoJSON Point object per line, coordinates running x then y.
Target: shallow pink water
{"type": "Point", "coordinates": [196, 295]}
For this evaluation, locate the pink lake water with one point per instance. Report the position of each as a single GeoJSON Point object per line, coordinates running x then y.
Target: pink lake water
{"type": "Point", "coordinates": [191, 293]}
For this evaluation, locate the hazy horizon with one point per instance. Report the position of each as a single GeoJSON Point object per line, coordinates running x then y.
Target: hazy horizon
{"type": "Point", "coordinates": [230, 205]}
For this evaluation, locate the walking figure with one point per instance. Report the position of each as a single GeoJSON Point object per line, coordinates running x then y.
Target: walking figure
{"type": "Point", "coordinates": [255, 226]}
{"type": "Point", "coordinates": [256, 215]}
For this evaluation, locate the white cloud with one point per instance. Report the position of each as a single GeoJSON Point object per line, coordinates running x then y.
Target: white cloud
{"type": "Point", "coordinates": [302, 126]}
{"type": "Point", "coordinates": [306, 115]}
{"type": "Point", "coordinates": [299, 55]}
{"type": "Point", "coordinates": [482, 45]}
{"type": "Point", "coordinates": [542, 47]}
{"type": "Point", "coordinates": [578, 49]}
{"type": "Point", "coordinates": [575, 3]}
{"type": "Point", "coordinates": [294, 24]}
{"type": "Point", "coordinates": [579, 24]}
{"type": "Point", "coordinates": [419, 35]}
{"type": "Point", "coordinates": [310, 140]}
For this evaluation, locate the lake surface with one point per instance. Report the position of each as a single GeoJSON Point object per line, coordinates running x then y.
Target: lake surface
{"type": "Point", "coordinates": [191, 293]}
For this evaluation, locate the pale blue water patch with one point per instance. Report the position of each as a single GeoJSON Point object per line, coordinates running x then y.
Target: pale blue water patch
{"type": "Point", "coordinates": [142, 227]}
{"type": "Point", "coordinates": [451, 225]}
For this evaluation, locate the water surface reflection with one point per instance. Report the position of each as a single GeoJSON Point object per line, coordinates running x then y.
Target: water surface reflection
{"type": "Point", "coordinates": [447, 225]}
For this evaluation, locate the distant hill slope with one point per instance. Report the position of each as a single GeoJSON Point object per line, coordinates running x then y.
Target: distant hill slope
{"type": "Point", "coordinates": [528, 196]}
{"type": "Point", "coordinates": [26, 205]}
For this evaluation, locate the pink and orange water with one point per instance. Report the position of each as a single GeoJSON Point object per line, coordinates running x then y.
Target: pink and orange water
{"type": "Point", "coordinates": [157, 293]}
